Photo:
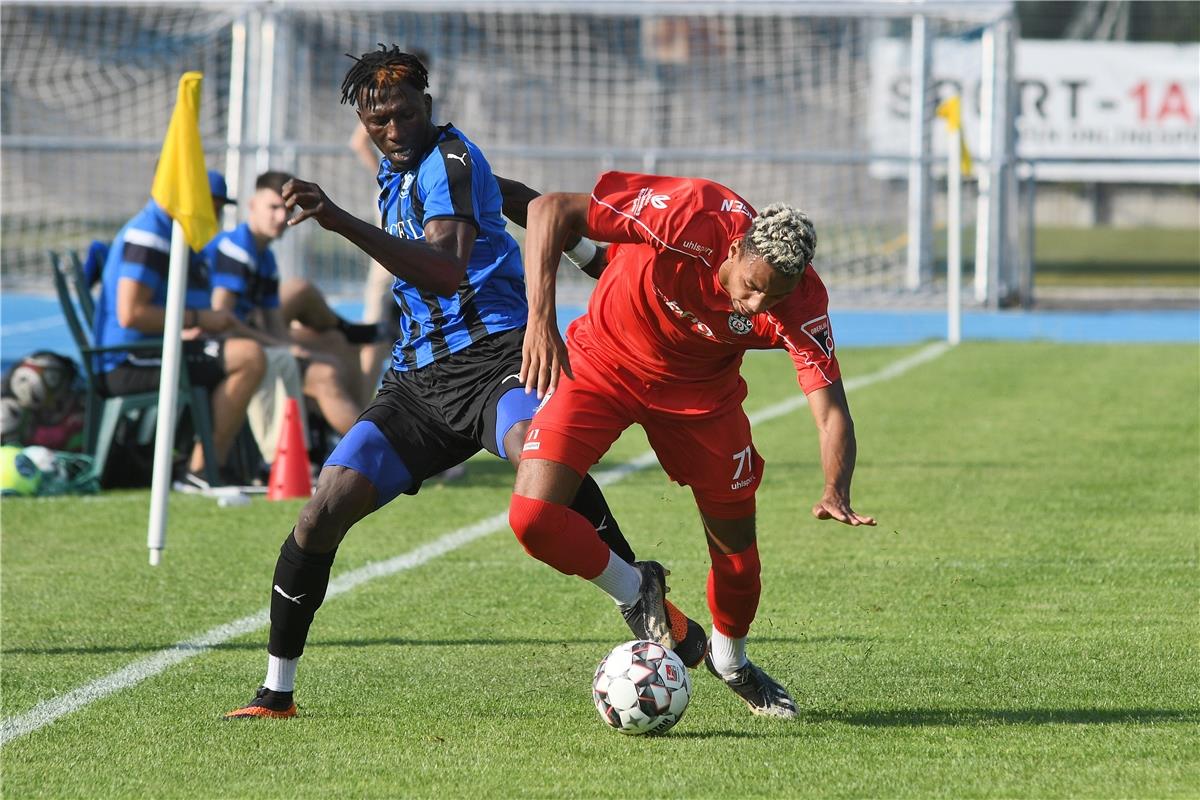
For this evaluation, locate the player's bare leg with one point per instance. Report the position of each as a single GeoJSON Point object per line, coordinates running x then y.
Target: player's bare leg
{"type": "Point", "coordinates": [343, 497]}
{"type": "Point", "coordinates": [331, 346]}
{"type": "Point", "coordinates": [301, 301]}
{"type": "Point", "coordinates": [245, 365]}
{"type": "Point", "coordinates": [322, 382]}
{"type": "Point", "coordinates": [733, 593]}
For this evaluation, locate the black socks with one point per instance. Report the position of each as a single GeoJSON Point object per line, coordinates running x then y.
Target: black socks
{"type": "Point", "coordinates": [299, 589]}
{"type": "Point", "coordinates": [358, 332]}
{"type": "Point", "coordinates": [590, 503]}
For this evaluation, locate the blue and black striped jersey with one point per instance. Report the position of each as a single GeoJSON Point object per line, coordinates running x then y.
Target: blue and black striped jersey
{"type": "Point", "coordinates": [142, 252]}
{"type": "Point", "coordinates": [237, 264]}
{"type": "Point", "coordinates": [453, 181]}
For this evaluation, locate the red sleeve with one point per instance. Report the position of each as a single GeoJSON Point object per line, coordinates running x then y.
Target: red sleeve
{"type": "Point", "coordinates": [691, 216]}
{"type": "Point", "coordinates": [801, 326]}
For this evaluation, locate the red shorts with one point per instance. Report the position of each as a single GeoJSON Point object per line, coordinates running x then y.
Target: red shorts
{"type": "Point", "coordinates": [713, 453]}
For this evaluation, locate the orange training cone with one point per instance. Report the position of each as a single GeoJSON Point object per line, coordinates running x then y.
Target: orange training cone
{"type": "Point", "coordinates": [291, 474]}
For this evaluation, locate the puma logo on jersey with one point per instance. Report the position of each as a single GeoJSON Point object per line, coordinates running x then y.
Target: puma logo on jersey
{"type": "Point", "coordinates": [462, 157]}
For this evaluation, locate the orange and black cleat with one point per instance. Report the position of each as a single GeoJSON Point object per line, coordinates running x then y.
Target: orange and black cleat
{"type": "Point", "coordinates": [266, 705]}
{"type": "Point", "coordinates": [691, 642]}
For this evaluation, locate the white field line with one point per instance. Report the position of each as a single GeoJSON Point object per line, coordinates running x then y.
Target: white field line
{"type": "Point", "coordinates": [48, 711]}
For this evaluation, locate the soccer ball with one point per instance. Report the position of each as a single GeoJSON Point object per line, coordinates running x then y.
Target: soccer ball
{"type": "Point", "coordinates": [19, 476]}
{"type": "Point", "coordinates": [641, 687]}
{"type": "Point", "coordinates": [38, 380]}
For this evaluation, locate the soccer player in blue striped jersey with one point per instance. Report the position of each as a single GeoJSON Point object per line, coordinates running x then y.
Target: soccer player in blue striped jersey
{"type": "Point", "coordinates": [454, 386]}
{"type": "Point", "coordinates": [245, 280]}
{"type": "Point", "coordinates": [132, 308]}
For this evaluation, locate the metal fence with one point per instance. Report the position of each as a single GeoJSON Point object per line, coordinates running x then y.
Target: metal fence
{"type": "Point", "coordinates": [770, 98]}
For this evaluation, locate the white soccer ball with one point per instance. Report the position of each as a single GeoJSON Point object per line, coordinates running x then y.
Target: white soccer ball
{"type": "Point", "coordinates": [641, 687]}
{"type": "Point", "coordinates": [38, 380]}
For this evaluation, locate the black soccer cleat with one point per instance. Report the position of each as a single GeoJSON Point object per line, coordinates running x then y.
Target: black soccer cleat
{"type": "Point", "coordinates": [647, 617]}
{"type": "Point", "coordinates": [266, 704]}
{"type": "Point", "coordinates": [758, 690]}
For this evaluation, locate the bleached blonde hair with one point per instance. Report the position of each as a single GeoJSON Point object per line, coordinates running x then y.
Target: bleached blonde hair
{"type": "Point", "coordinates": [785, 238]}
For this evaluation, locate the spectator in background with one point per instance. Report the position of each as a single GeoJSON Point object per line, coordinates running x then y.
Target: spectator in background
{"type": "Point", "coordinates": [292, 320]}
{"type": "Point", "coordinates": [132, 308]}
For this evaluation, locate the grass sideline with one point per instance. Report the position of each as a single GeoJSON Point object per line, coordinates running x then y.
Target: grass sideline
{"type": "Point", "coordinates": [1022, 623]}
{"type": "Point", "coordinates": [1161, 258]}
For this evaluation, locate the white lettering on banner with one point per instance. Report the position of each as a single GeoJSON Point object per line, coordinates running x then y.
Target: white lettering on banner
{"type": "Point", "coordinates": [1093, 100]}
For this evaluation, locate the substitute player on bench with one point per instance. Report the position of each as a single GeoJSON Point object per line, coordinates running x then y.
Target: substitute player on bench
{"type": "Point", "coordinates": [453, 388]}
{"type": "Point", "coordinates": [695, 278]}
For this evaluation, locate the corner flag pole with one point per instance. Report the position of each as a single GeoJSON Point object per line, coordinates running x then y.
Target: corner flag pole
{"type": "Point", "coordinates": [168, 390]}
{"type": "Point", "coordinates": [958, 162]}
{"type": "Point", "coordinates": [180, 189]}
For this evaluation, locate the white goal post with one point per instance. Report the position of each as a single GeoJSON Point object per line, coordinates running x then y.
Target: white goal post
{"type": "Point", "coordinates": [794, 101]}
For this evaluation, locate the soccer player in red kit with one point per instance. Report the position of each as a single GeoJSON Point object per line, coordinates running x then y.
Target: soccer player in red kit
{"type": "Point", "coordinates": [695, 277]}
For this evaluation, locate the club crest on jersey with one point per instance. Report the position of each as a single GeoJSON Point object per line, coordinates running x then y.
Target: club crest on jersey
{"type": "Point", "coordinates": [821, 333]}
{"type": "Point", "coordinates": [406, 183]}
{"type": "Point", "coordinates": [647, 197]}
{"type": "Point", "coordinates": [739, 324]}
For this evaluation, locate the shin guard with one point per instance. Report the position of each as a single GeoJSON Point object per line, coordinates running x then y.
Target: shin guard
{"type": "Point", "coordinates": [301, 580]}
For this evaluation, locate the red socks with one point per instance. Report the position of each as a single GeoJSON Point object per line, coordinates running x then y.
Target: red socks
{"type": "Point", "coordinates": [558, 536]}
{"type": "Point", "coordinates": [733, 590]}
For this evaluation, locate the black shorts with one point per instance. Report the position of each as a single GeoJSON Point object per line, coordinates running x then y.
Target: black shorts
{"type": "Point", "coordinates": [440, 415]}
{"type": "Point", "coordinates": [204, 360]}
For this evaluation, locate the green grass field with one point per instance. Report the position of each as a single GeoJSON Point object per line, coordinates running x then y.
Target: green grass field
{"type": "Point", "coordinates": [1023, 622]}
{"type": "Point", "coordinates": [1076, 257]}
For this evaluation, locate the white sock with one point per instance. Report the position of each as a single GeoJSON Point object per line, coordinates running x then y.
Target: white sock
{"type": "Point", "coordinates": [728, 655]}
{"type": "Point", "coordinates": [620, 580]}
{"type": "Point", "coordinates": [281, 673]}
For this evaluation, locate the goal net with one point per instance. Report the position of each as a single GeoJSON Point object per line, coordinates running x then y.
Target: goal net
{"type": "Point", "coordinates": [773, 99]}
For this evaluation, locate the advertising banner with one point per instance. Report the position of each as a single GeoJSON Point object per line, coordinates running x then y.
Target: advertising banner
{"type": "Point", "coordinates": [1099, 102]}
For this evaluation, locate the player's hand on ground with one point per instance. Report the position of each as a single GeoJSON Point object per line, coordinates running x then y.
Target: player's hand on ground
{"type": "Point", "coordinates": [543, 355]}
{"type": "Point", "coordinates": [310, 199]}
{"type": "Point", "coordinates": [835, 506]}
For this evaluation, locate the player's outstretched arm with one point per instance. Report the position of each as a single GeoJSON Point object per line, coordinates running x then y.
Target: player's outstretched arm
{"type": "Point", "coordinates": [839, 449]}
{"type": "Point", "coordinates": [552, 218]}
{"type": "Point", "coordinates": [584, 254]}
{"type": "Point", "coordinates": [437, 264]}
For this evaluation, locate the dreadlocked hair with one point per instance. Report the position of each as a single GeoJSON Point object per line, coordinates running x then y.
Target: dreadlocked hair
{"type": "Point", "coordinates": [381, 68]}
{"type": "Point", "coordinates": [784, 236]}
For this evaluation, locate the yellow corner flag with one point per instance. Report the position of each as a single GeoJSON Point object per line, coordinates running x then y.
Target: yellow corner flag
{"type": "Point", "coordinates": [181, 182]}
{"type": "Point", "coordinates": [951, 111]}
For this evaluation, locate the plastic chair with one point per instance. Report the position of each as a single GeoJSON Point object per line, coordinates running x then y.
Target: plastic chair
{"type": "Point", "coordinates": [103, 412]}
{"type": "Point", "coordinates": [83, 290]}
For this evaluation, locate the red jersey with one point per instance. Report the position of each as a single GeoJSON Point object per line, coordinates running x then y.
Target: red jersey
{"type": "Point", "coordinates": [659, 310]}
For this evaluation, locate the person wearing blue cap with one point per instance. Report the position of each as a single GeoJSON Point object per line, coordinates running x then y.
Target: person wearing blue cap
{"type": "Point", "coordinates": [132, 308]}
